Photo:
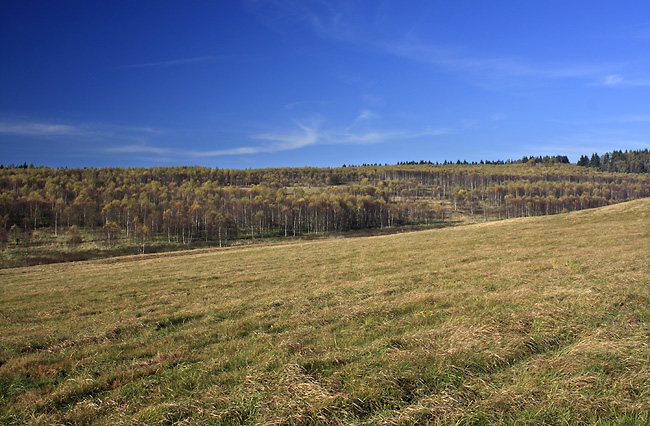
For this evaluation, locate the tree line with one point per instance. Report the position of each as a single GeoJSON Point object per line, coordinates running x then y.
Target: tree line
{"type": "Point", "coordinates": [188, 204]}
{"type": "Point", "coordinates": [618, 161]}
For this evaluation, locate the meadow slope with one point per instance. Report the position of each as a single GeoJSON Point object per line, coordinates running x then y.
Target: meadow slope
{"type": "Point", "coordinates": [537, 321]}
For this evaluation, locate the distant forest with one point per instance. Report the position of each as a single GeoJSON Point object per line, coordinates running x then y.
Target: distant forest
{"type": "Point", "coordinates": [618, 161]}
{"type": "Point", "coordinates": [187, 204]}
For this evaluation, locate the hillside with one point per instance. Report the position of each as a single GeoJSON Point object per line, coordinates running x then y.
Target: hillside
{"type": "Point", "coordinates": [543, 320]}
{"type": "Point", "coordinates": [53, 215]}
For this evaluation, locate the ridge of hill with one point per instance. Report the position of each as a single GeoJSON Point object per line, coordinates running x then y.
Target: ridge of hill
{"type": "Point", "coordinates": [541, 320]}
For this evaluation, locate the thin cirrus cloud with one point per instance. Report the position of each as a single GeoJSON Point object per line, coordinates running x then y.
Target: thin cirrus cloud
{"type": "Point", "coordinates": [616, 80]}
{"type": "Point", "coordinates": [336, 23]}
{"type": "Point", "coordinates": [303, 136]}
{"type": "Point", "coordinates": [366, 114]}
{"type": "Point", "coordinates": [313, 135]}
{"type": "Point", "coordinates": [494, 72]}
{"type": "Point", "coordinates": [50, 129]}
{"type": "Point", "coordinates": [634, 119]}
{"type": "Point", "coordinates": [95, 139]}
{"type": "Point", "coordinates": [490, 69]}
{"type": "Point", "coordinates": [386, 136]}
{"type": "Point", "coordinates": [137, 149]}
{"type": "Point", "coordinates": [173, 62]}
{"type": "Point", "coordinates": [639, 31]}
{"type": "Point", "coordinates": [187, 61]}
{"type": "Point", "coordinates": [40, 129]}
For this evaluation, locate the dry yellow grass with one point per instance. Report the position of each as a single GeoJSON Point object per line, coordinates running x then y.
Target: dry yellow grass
{"type": "Point", "coordinates": [527, 321]}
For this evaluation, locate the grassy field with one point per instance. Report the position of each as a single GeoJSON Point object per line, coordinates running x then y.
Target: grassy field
{"type": "Point", "coordinates": [528, 321]}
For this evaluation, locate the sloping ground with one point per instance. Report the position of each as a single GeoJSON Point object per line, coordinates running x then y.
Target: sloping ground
{"type": "Point", "coordinates": [534, 321]}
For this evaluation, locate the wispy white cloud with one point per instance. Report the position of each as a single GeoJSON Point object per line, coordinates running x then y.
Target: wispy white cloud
{"type": "Point", "coordinates": [497, 116]}
{"type": "Point", "coordinates": [372, 137]}
{"type": "Point", "coordinates": [301, 137]}
{"type": "Point", "coordinates": [616, 80]}
{"type": "Point", "coordinates": [612, 80]}
{"type": "Point", "coordinates": [292, 105]}
{"type": "Point", "coordinates": [97, 138]}
{"type": "Point", "coordinates": [634, 118]}
{"type": "Point", "coordinates": [173, 62]}
{"type": "Point", "coordinates": [490, 69]}
{"type": "Point", "coordinates": [243, 150]}
{"type": "Point", "coordinates": [30, 128]}
{"type": "Point", "coordinates": [640, 31]}
{"type": "Point", "coordinates": [342, 23]}
{"type": "Point", "coordinates": [305, 135]}
{"type": "Point", "coordinates": [374, 100]}
{"type": "Point", "coordinates": [137, 149]}
{"type": "Point", "coordinates": [313, 133]}
{"type": "Point", "coordinates": [295, 105]}
{"type": "Point", "coordinates": [468, 123]}
{"type": "Point", "coordinates": [91, 139]}
{"type": "Point", "coordinates": [24, 128]}
{"type": "Point", "coordinates": [154, 152]}
{"type": "Point", "coordinates": [321, 16]}
{"type": "Point", "coordinates": [366, 114]}
{"type": "Point", "coordinates": [138, 142]}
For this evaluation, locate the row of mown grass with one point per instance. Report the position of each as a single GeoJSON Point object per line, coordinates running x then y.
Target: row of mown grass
{"type": "Point", "coordinates": [528, 321]}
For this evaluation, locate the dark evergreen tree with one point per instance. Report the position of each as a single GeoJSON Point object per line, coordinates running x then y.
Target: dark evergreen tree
{"type": "Point", "coordinates": [595, 161]}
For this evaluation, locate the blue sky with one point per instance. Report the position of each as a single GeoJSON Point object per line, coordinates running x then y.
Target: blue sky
{"type": "Point", "coordinates": [253, 83]}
